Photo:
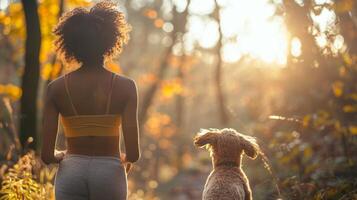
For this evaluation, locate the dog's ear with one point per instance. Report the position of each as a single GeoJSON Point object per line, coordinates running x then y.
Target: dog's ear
{"type": "Point", "coordinates": [205, 137]}
{"type": "Point", "coordinates": [249, 146]}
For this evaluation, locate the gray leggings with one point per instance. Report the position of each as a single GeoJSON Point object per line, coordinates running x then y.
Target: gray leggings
{"type": "Point", "coordinates": [81, 177]}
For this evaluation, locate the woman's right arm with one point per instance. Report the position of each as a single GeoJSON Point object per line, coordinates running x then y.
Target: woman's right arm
{"type": "Point", "coordinates": [130, 124]}
{"type": "Point", "coordinates": [49, 128]}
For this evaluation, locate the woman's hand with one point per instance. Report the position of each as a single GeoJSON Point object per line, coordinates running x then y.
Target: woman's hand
{"type": "Point", "coordinates": [59, 155]}
{"type": "Point", "coordinates": [127, 165]}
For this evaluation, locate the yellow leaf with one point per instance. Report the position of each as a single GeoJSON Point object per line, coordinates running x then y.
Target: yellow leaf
{"type": "Point", "coordinates": [56, 70]}
{"type": "Point", "coordinates": [171, 88]}
{"type": "Point", "coordinates": [353, 130]}
{"type": "Point", "coordinates": [54, 9]}
{"type": "Point", "coordinates": [331, 192]}
{"type": "Point", "coordinates": [46, 71]}
{"type": "Point", "coordinates": [337, 125]}
{"type": "Point", "coordinates": [307, 152]}
{"type": "Point", "coordinates": [2, 89]}
{"type": "Point", "coordinates": [15, 7]}
{"type": "Point", "coordinates": [157, 124]}
{"type": "Point", "coordinates": [150, 13]}
{"type": "Point", "coordinates": [306, 120]}
{"type": "Point", "coordinates": [2, 15]}
{"type": "Point", "coordinates": [76, 3]}
{"type": "Point", "coordinates": [147, 78]}
{"type": "Point", "coordinates": [353, 96]}
{"type": "Point", "coordinates": [6, 21]}
{"type": "Point", "coordinates": [159, 23]}
{"type": "Point", "coordinates": [310, 168]}
{"type": "Point", "coordinates": [337, 88]}
{"type": "Point", "coordinates": [350, 108]}
{"type": "Point", "coordinates": [347, 58]}
{"type": "Point", "coordinates": [13, 91]}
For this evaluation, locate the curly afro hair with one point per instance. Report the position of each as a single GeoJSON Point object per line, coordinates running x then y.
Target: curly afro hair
{"type": "Point", "coordinates": [90, 35]}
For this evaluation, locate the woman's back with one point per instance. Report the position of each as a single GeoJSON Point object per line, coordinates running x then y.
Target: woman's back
{"type": "Point", "coordinates": [94, 93]}
{"type": "Point", "coordinates": [91, 92]}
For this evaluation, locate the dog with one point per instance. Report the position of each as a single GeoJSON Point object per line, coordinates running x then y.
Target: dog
{"type": "Point", "coordinates": [227, 181]}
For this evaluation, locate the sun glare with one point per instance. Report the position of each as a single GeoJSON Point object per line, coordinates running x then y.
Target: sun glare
{"type": "Point", "coordinates": [4, 4]}
{"type": "Point", "coordinates": [295, 47]}
{"type": "Point", "coordinates": [248, 27]}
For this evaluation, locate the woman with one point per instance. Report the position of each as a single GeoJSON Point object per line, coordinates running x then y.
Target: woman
{"type": "Point", "coordinates": [91, 103]}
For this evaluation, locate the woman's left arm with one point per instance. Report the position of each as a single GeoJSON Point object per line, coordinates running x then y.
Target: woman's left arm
{"type": "Point", "coordinates": [49, 128]}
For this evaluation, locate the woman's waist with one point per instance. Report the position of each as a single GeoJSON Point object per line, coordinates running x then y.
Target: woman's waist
{"type": "Point", "coordinates": [92, 153]}
{"type": "Point", "coordinates": [87, 159]}
{"type": "Point", "coordinates": [94, 146]}
{"type": "Point", "coordinates": [91, 132]}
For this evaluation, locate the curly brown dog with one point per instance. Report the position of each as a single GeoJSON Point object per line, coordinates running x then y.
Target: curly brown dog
{"type": "Point", "coordinates": [227, 181]}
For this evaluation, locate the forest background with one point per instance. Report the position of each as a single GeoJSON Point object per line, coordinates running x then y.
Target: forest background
{"type": "Point", "coordinates": [283, 71]}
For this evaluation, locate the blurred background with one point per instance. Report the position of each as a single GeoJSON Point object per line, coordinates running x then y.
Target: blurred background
{"type": "Point", "coordinates": [283, 71]}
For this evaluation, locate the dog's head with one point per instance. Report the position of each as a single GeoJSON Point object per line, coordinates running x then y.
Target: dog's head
{"type": "Point", "coordinates": [227, 145]}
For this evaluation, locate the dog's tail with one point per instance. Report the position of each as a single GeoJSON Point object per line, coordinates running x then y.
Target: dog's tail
{"type": "Point", "coordinates": [267, 166]}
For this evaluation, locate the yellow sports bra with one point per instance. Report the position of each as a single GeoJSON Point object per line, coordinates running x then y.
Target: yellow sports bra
{"type": "Point", "coordinates": [91, 125]}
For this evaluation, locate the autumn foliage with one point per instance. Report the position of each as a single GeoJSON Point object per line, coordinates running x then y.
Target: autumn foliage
{"type": "Point", "coordinates": [301, 107]}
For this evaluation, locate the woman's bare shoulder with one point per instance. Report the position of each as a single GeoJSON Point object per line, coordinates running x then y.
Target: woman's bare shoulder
{"type": "Point", "coordinates": [123, 78]}
{"type": "Point", "coordinates": [125, 81]}
{"type": "Point", "coordinates": [56, 86]}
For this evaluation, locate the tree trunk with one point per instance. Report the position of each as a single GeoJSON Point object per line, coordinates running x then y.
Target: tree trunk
{"type": "Point", "coordinates": [180, 101]}
{"type": "Point", "coordinates": [298, 22]}
{"type": "Point", "coordinates": [180, 111]}
{"type": "Point", "coordinates": [30, 78]}
{"type": "Point", "coordinates": [150, 94]}
{"type": "Point", "coordinates": [218, 72]}
{"type": "Point", "coordinates": [180, 98]}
